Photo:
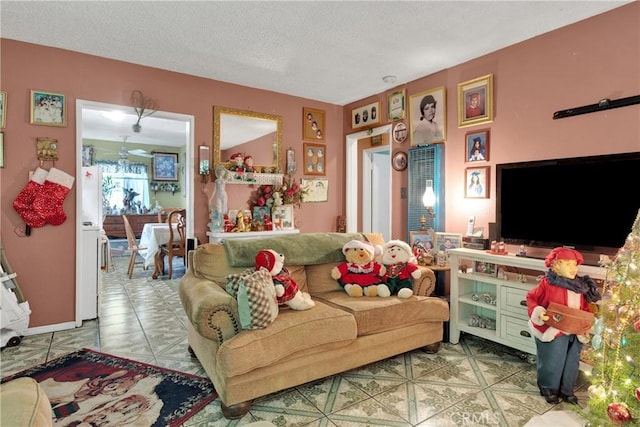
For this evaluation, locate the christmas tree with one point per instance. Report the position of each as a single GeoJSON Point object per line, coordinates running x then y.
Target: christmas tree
{"type": "Point", "coordinates": [614, 393]}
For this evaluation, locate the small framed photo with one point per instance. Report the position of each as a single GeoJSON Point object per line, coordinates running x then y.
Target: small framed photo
{"type": "Point", "coordinates": [427, 112]}
{"type": "Point", "coordinates": [3, 109]}
{"type": "Point", "coordinates": [165, 166]}
{"type": "Point", "coordinates": [397, 105]}
{"type": "Point", "coordinates": [283, 217]}
{"type": "Point", "coordinates": [1, 149]}
{"type": "Point", "coordinates": [315, 156]}
{"type": "Point", "coordinates": [477, 144]}
{"type": "Point", "coordinates": [313, 124]}
{"type": "Point", "coordinates": [446, 241]}
{"type": "Point", "coordinates": [291, 161]}
{"type": "Point", "coordinates": [399, 161]}
{"type": "Point", "coordinates": [365, 116]}
{"type": "Point", "coordinates": [476, 183]}
{"type": "Point", "coordinates": [400, 133]}
{"type": "Point", "coordinates": [260, 212]}
{"type": "Point", "coordinates": [486, 268]}
{"type": "Point", "coordinates": [88, 151]}
{"type": "Point", "coordinates": [317, 190]}
{"type": "Point", "coordinates": [475, 101]}
{"type": "Point", "coordinates": [48, 108]}
{"type": "Point", "coordinates": [423, 241]}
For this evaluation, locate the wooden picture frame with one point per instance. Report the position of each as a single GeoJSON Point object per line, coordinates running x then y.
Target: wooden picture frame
{"type": "Point", "coordinates": [48, 108]}
{"type": "Point", "coordinates": [477, 146]}
{"type": "Point", "coordinates": [315, 156]}
{"type": "Point", "coordinates": [283, 217]}
{"type": "Point", "coordinates": [397, 105]}
{"type": "Point", "coordinates": [165, 166]}
{"type": "Point", "coordinates": [446, 241]}
{"type": "Point", "coordinates": [365, 116]}
{"type": "Point", "coordinates": [313, 124]}
{"type": "Point", "coordinates": [424, 239]}
{"type": "Point", "coordinates": [290, 161]}
{"type": "Point", "coordinates": [476, 182]}
{"type": "Point", "coordinates": [317, 190]}
{"type": "Point", "coordinates": [3, 109]}
{"type": "Point", "coordinates": [475, 101]}
{"type": "Point", "coordinates": [428, 117]}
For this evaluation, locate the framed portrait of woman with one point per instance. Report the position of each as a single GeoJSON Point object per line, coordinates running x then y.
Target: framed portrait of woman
{"type": "Point", "coordinates": [477, 146]}
{"type": "Point", "coordinates": [427, 113]}
{"type": "Point", "coordinates": [476, 183]}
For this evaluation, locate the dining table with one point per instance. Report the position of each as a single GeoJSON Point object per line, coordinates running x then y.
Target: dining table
{"type": "Point", "coordinates": [154, 235]}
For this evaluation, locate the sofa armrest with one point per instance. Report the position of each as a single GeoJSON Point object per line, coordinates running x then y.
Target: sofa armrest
{"type": "Point", "coordinates": [210, 309]}
{"type": "Point", "coordinates": [426, 284]}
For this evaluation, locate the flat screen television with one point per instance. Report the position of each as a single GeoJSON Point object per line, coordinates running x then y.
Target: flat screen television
{"type": "Point", "coordinates": [588, 203]}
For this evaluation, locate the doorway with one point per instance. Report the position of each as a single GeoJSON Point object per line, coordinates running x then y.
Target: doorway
{"type": "Point", "coordinates": [374, 178]}
{"type": "Point", "coordinates": [183, 137]}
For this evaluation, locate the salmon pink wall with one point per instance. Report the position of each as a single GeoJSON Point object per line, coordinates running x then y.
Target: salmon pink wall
{"type": "Point", "coordinates": [570, 67]}
{"type": "Point", "coordinates": [45, 261]}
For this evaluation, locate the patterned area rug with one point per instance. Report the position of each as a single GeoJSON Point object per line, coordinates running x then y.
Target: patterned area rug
{"type": "Point", "coordinates": [100, 389]}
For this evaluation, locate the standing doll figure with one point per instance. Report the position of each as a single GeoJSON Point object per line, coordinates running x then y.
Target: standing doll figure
{"type": "Point", "coordinates": [560, 296]}
{"type": "Point", "coordinates": [237, 166]}
{"type": "Point", "coordinates": [249, 170]}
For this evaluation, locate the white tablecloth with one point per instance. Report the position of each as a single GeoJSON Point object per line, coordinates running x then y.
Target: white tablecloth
{"type": "Point", "coordinates": [153, 235]}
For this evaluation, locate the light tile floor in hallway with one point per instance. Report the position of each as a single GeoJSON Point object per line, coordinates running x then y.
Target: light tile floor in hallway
{"type": "Point", "coordinates": [472, 383]}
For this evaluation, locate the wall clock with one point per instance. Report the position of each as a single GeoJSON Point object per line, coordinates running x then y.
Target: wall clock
{"type": "Point", "coordinates": [399, 161]}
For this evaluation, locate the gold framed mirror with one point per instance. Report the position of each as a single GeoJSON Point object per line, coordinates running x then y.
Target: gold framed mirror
{"type": "Point", "coordinates": [256, 134]}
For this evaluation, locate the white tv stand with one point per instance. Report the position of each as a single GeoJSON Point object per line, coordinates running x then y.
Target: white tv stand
{"type": "Point", "coordinates": [508, 308]}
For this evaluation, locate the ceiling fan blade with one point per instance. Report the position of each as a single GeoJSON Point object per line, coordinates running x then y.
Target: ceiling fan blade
{"type": "Point", "coordinates": [140, 153]}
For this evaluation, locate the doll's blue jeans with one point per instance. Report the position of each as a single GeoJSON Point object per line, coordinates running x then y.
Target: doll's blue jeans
{"type": "Point", "coordinates": [558, 364]}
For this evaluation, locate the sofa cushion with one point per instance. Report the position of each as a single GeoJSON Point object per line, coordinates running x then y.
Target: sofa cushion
{"type": "Point", "coordinates": [292, 332]}
{"type": "Point", "coordinates": [374, 314]}
{"type": "Point", "coordinates": [299, 274]}
{"type": "Point", "coordinates": [207, 263]}
{"type": "Point", "coordinates": [24, 403]}
{"type": "Point", "coordinates": [256, 297]}
{"type": "Point", "coordinates": [319, 278]}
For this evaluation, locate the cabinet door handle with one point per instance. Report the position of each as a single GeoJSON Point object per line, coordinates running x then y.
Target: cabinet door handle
{"type": "Point", "coordinates": [523, 303]}
{"type": "Point", "coordinates": [525, 334]}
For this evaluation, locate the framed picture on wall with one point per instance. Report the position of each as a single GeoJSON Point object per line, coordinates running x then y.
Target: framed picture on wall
{"type": "Point", "coordinates": [291, 161]}
{"type": "Point", "coordinates": [165, 166]}
{"type": "Point", "coordinates": [397, 105]}
{"type": "Point", "coordinates": [428, 115]}
{"type": "Point", "coordinates": [475, 101]}
{"type": "Point", "coordinates": [477, 146]}
{"type": "Point", "coordinates": [313, 124]}
{"type": "Point", "coordinates": [315, 156]}
{"type": "Point", "coordinates": [317, 190]}
{"type": "Point", "coordinates": [48, 108]}
{"type": "Point", "coordinates": [476, 183]}
{"type": "Point", "coordinates": [365, 116]}
{"type": "Point", "coordinates": [3, 109]}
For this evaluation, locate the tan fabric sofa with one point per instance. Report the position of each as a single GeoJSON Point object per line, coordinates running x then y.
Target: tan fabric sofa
{"type": "Point", "coordinates": [338, 334]}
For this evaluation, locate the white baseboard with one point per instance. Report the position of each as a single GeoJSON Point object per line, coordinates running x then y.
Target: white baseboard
{"type": "Point", "coordinates": [50, 328]}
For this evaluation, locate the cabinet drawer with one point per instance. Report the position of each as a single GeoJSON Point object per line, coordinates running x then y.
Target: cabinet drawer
{"type": "Point", "coordinates": [515, 330]}
{"type": "Point", "coordinates": [514, 301]}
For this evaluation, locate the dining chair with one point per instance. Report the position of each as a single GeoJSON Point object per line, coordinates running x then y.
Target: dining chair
{"type": "Point", "coordinates": [163, 214]}
{"type": "Point", "coordinates": [133, 246]}
{"type": "Point", "coordinates": [177, 245]}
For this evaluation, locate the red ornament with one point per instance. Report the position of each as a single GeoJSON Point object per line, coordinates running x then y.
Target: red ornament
{"type": "Point", "coordinates": [618, 413]}
{"type": "Point", "coordinates": [636, 325]}
{"type": "Point", "coordinates": [638, 393]}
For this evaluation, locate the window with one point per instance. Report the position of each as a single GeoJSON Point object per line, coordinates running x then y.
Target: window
{"type": "Point", "coordinates": [126, 176]}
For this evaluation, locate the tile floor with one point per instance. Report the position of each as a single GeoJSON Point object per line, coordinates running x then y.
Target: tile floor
{"type": "Point", "coordinates": [475, 382]}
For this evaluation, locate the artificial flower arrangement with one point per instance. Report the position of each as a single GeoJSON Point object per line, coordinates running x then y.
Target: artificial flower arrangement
{"type": "Point", "coordinates": [289, 193]}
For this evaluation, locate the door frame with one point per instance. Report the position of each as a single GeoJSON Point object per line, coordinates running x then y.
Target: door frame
{"type": "Point", "coordinates": [352, 175]}
{"type": "Point", "coordinates": [188, 168]}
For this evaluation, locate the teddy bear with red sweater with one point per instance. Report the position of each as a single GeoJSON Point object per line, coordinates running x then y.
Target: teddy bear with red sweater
{"type": "Point", "coordinates": [360, 274]}
{"type": "Point", "coordinates": [287, 291]}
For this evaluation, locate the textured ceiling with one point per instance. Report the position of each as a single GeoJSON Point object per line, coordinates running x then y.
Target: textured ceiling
{"type": "Point", "coordinates": [336, 52]}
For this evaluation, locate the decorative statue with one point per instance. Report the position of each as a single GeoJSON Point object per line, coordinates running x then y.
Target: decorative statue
{"type": "Point", "coordinates": [218, 200]}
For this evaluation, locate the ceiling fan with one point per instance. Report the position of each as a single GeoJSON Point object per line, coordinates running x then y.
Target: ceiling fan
{"type": "Point", "coordinates": [124, 152]}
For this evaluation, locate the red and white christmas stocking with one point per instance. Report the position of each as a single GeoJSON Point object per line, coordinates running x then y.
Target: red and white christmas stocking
{"type": "Point", "coordinates": [48, 201]}
{"type": "Point", "coordinates": [23, 204]}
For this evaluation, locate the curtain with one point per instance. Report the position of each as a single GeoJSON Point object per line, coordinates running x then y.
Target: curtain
{"type": "Point", "coordinates": [126, 176]}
